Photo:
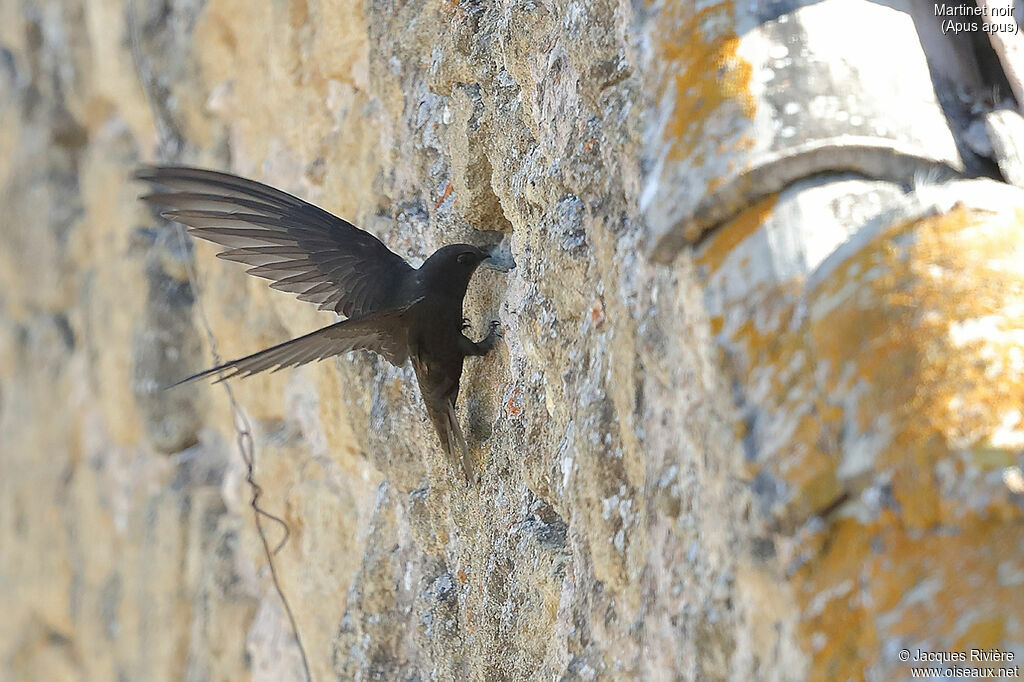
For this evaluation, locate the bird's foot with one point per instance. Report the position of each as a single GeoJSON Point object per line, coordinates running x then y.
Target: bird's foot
{"type": "Point", "coordinates": [465, 324]}
{"type": "Point", "coordinates": [485, 345]}
{"type": "Point", "coordinates": [491, 340]}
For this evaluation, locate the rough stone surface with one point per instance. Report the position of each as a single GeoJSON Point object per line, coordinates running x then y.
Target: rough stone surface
{"type": "Point", "coordinates": [754, 96]}
{"type": "Point", "coordinates": [883, 379]}
{"type": "Point", "coordinates": [1005, 129]}
{"type": "Point", "coordinates": [663, 468]}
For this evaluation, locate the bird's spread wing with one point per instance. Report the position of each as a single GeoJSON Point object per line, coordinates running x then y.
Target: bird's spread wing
{"type": "Point", "coordinates": [302, 248]}
{"type": "Point", "coordinates": [385, 333]}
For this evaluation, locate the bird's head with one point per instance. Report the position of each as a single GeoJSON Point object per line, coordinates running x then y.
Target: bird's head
{"type": "Point", "coordinates": [451, 267]}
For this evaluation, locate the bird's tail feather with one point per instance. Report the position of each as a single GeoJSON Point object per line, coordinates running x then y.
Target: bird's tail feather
{"type": "Point", "coordinates": [452, 439]}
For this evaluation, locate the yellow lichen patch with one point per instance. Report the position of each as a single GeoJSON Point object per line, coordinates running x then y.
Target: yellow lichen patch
{"type": "Point", "coordinates": [703, 71]}
{"type": "Point", "coordinates": [947, 583]}
{"type": "Point", "coordinates": [835, 622]}
{"type": "Point", "coordinates": [772, 349]}
{"type": "Point", "coordinates": [814, 479]}
{"type": "Point", "coordinates": [913, 342]}
{"type": "Point", "coordinates": [943, 389]}
{"type": "Point", "coordinates": [875, 581]}
{"type": "Point", "coordinates": [731, 234]}
{"type": "Point", "coordinates": [982, 634]}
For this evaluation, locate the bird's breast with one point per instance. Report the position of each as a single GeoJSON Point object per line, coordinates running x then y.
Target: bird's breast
{"type": "Point", "coordinates": [435, 328]}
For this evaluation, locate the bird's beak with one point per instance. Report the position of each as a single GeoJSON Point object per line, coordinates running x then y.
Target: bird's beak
{"type": "Point", "coordinates": [499, 258]}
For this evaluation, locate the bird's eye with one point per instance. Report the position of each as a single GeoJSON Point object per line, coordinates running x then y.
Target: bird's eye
{"type": "Point", "coordinates": [465, 258]}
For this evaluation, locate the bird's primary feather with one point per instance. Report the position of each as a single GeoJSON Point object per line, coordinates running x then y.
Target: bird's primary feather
{"type": "Point", "coordinates": [385, 333]}
{"type": "Point", "coordinates": [342, 268]}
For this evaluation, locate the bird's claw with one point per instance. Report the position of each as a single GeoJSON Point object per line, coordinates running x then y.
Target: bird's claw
{"type": "Point", "coordinates": [465, 324]}
{"type": "Point", "coordinates": [487, 344]}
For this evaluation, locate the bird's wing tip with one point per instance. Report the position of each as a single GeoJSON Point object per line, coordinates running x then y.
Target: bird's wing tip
{"type": "Point", "coordinates": [169, 387]}
{"type": "Point", "coordinates": [154, 172]}
{"type": "Point", "coordinates": [145, 173]}
{"type": "Point", "coordinates": [151, 197]}
{"type": "Point", "coordinates": [196, 377]}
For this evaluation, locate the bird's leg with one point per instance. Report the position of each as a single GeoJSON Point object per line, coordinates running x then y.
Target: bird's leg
{"type": "Point", "coordinates": [485, 345]}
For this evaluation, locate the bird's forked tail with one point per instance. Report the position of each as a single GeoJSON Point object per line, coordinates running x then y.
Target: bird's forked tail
{"type": "Point", "coordinates": [446, 423]}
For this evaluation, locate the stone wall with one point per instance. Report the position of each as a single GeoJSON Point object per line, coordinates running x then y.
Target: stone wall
{"type": "Point", "coordinates": [695, 462]}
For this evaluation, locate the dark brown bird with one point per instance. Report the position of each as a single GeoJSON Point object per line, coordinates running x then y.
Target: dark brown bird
{"type": "Point", "coordinates": [393, 309]}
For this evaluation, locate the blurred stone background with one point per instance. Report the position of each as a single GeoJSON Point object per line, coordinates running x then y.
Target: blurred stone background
{"type": "Point", "coordinates": [757, 410]}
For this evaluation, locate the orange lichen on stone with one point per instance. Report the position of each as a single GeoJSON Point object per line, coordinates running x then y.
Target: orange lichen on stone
{"type": "Point", "coordinates": [885, 321]}
{"type": "Point", "coordinates": [444, 195]}
{"type": "Point", "coordinates": [732, 233]}
{"type": "Point", "coordinates": [814, 480]}
{"type": "Point", "coordinates": [982, 634]}
{"type": "Point", "coordinates": [597, 313]}
{"type": "Point", "coordinates": [875, 581]}
{"type": "Point", "coordinates": [915, 342]}
{"type": "Point", "coordinates": [836, 623]}
{"type": "Point", "coordinates": [706, 75]}
{"type": "Point", "coordinates": [910, 339]}
{"type": "Point", "coordinates": [514, 404]}
{"type": "Point", "coordinates": [955, 574]}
